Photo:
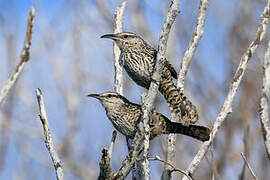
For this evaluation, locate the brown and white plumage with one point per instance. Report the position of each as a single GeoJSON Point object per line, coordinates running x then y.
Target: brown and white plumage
{"type": "Point", "coordinates": [125, 115]}
{"type": "Point", "coordinates": [138, 59]}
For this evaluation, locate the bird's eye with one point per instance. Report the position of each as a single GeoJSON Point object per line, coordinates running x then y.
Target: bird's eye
{"type": "Point", "coordinates": [125, 36]}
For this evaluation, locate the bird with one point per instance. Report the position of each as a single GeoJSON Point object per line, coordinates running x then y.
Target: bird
{"type": "Point", "coordinates": [138, 59]}
{"type": "Point", "coordinates": [125, 115]}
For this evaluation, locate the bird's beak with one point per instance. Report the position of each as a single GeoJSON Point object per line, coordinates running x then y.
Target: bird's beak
{"type": "Point", "coordinates": [94, 96]}
{"type": "Point", "coordinates": [110, 36]}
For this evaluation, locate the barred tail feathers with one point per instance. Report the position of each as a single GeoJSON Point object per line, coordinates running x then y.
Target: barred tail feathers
{"type": "Point", "coordinates": [178, 103]}
{"type": "Point", "coordinates": [198, 132]}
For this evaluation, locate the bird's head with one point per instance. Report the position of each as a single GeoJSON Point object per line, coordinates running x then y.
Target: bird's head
{"type": "Point", "coordinates": [125, 40]}
{"type": "Point", "coordinates": [109, 99]}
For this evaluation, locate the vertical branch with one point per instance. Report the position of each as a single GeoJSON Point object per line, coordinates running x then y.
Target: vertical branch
{"type": "Point", "coordinates": [152, 92]}
{"type": "Point", "coordinates": [25, 56]}
{"type": "Point", "coordinates": [118, 76]}
{"type": "Point", "coordinates": [265, 101]}
{"type": "Point", "coordinates": [227, 106]}
{"type": "Point", "coordinates": [145, 163]}
{"type": "Point", "coordinates": [48, 136]}
{"type": "Point", "coordinates": [105, 163]}
{"type": "Point", "coordinates": [193, 44]}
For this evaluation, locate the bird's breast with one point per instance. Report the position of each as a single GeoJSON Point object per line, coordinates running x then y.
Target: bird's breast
{"type": "Point", "coordinates": [122, 123]}
{"type": "Point", "coordinates": [139, 67]}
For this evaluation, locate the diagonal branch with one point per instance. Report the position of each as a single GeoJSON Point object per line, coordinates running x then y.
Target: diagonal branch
{"type": "Point", "coordinates": [249, 167]}
{"type": "Point", "coordinates": [227, 106]}
{"type": "Point", "coordinates": [25, 56]}
{"type": "Point", "coordinates": [193, 44]}
{"type": "Point", "coordinates": [265, 101]}
{"type": "Point", "coordinates": [48, 137]}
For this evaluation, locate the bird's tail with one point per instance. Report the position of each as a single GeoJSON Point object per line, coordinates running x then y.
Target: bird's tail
{"type": "Point", "coordinates": [179, 105]}
{"type": "Point", "coordinates": [198, 132]}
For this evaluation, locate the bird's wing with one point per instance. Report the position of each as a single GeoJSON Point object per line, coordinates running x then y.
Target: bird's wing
{"type": "Point", "coordinates": [171, 69]}
{"type": "Point", "coordinates": [168, 64]}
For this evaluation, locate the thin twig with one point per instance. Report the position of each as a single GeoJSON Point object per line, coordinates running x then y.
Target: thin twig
{"type": "Point", "coordinates": [249, 167]}
{"type": "Point", "coordinates": [114, 134]}
{"type": "Point", "coordinates": [48, 137]}
{"type": "Point", "coordinates": [227, 106]}
{"type": "Point", "coordinates": [214, 174]}
{"type": "Point", "coordinates": [157, 158]}
{"type": "Point", "coordinates": [212, 161]}
{"type": "Point", "coordinates": [193, 44]}
{"type": "Point", "coordinates": [265, 102]}
{"type": "Point", "coordinates": [25, 56]}
{"type": "Point", "coordinates": [246, 151]}
{"type": "Point", "coordinates": [118, 27]}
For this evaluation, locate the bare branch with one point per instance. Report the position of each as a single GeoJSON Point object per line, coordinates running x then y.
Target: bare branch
{"type": "Point", "coordinates": [118, 76]}
{"type": "Point", "coordinates": [157, 158]}
{"type": "Point", "coordinates": [105, 162]}
{"type": "Point", "coordinates": [193, 44]}
{"type": "Point", "coordinates": [265, 100]}
{"type": "Point", "coordinates": [105, 165]}
{"type": "Point", "coordinates": [152, 92]}
{"type": "Point", "coordinates": [146, 141]}
{"type": "Point", "coordinates": [246, 151]}
{"type": "Point", "coordinates": [227, 106]}
{"type": "Point", "coordinates": [215, 174]}
{"type": "Point", "coordinates": [197, 34]}
{"type": "Point", "coordinates": [48, 137]}
{"type": "Point", "coordinates": [25, 56]}
{"type": "Point", "coordinates": [170, 157]}
{"type": "Point", "coordinates": [130, 160]}
{"type": "Point", "coordinates": [249, 167]}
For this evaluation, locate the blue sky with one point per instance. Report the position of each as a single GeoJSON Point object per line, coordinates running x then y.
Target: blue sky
{"type": "Point", "coordinates": [212, 54]}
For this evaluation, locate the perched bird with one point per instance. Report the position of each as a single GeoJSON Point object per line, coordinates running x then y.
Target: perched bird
{"type": "Point", "coordinates": [125, 115]}
{"type": "Point", "coordinates": [138, 59]}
